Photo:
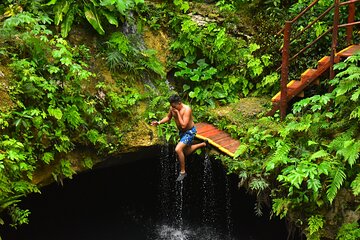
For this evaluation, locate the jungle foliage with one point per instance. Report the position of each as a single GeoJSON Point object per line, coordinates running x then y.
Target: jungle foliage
{"type": "Point", "coordinates": [53, 112]}
{"type": "Point", "coordinates": [310, 162]}
{"type": "Point", "coordinates": [61, 103]}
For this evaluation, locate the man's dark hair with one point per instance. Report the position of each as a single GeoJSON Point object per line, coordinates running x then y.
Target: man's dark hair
{"type": "Point", "coordinates": [174, 98]}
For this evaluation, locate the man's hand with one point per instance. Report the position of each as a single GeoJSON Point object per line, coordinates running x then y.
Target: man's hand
{"type": "Point", "coordinates": [155, 123]}
{"type": "Point", "coordinates": [174, 111]}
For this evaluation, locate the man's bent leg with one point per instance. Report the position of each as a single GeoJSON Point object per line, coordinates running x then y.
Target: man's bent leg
{"type": "Point", "coordinates": [190, 149]}
{"type": "Point", "coordinates": [179, 149]}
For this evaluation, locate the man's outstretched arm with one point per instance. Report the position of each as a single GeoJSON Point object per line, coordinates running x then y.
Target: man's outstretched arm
{"type": "Point", "coordinates": [164, 120]}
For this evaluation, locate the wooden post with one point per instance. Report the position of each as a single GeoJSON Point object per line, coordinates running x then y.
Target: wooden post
{"type": "Point", "coordinates": [351, 19]}
{"type": "Point", "coordinates": [334, 38]}
{"type": "Point", "coordinates": [285, 69]}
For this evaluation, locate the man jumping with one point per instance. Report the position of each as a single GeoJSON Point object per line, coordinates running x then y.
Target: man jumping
{"type": "Point", "coordinates": [182, 115]}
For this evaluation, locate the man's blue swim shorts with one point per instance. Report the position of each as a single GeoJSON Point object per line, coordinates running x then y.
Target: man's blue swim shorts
{"type": "Point", "coordinates": [188, 136]}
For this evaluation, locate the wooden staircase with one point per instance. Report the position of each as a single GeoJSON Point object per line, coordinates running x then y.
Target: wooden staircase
{"type": "Point", "coordinates": [311, 76]}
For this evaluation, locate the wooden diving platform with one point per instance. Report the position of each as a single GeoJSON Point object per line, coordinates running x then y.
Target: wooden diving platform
{"type": "Point", "coordinates": [217, 138]}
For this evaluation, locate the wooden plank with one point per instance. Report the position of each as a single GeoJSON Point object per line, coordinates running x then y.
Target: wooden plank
{"type": "Point", "coordinates": [211, 133]}
{"type": "Point", "coordinates": [217, 138]}
{"type": "Point", "coordinates": [233, 147]}
{"type": "Point", "coordinates": [324, 62]}
{"type": "Point", "coordinates": [294, 84]}
{"type": "Point", "coordinates": [307, 74]}
{"type": "Point", "coordinates": [200, 125]}
{"type": "Point", "coordinates": [225, 142]}
{"type": "Point", "coordinates": [347, 52]}
{"type": "Point", "coordinates": [220, 136]}
{"type": "Point", "coordinates": [205, 129]}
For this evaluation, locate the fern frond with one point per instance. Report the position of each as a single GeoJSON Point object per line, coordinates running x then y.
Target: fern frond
{"type": "Point", "coordinates": [355, 113]}
{"type": "Point", "coordinates": [258, 184]}
{"type": "Point", "coordinates": [350, 151]}
{"type": "Point", "coordinates": [258, 209]}
{"type": "Point", "coordinates": [355, 185]}
{"type": "Point", "coordinates": [349, 231]}
{"type": "Point", "coordinates": [337, 181]}
{"type": "Point", "coordinates": [121, 42]}
{"type": "Point", "coordinates": [279, 157]}
{"type": "Point", "coordinates": [315, 223]}
{"type": "Point", "coordinates": [345, 87]}
{"type": "Point", "coordinates": [338, 143]}
{"type": "Point", "coordinates": [319, 154]}
{"type": "Point", "coordinates": [280, 206]}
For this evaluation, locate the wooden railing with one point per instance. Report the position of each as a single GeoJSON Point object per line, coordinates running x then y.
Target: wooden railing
{"type": "Point", "coordinates": [286, 58]}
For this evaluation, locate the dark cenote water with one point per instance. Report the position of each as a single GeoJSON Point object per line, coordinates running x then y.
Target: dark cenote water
{"type": "Point", "coordinates": [140, 200]}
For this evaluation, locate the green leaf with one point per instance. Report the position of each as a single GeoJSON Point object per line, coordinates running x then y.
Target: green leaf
{"type": "Point", "coordinates": [92, 16]}
{"type": "Point", "coordinates": [310, 143]}
{"type": "Point", "coordinates": [319, 154]}
{"type": "Point", "coordinates": [110, 17]}
{"type": "Point", "coordinates": [241, 150]}
{"type": "Point", "coordinates": [195, 78]}
{"type": "Point", "coordinates": [66, 168]}
{"type": "Point", "coordinates": [315, 223]}
{"type": "Point", "coordinates": [93, 135]}
{"type": "Point", "coordinates": [355, 185]}
{"type": "Point", "coordinates": [61, 8]}
{"type": "Point", "coordinates": [253, 47]}
{"type": "Point", "coordinates": [324, 167]}
{"type": "Point", "coordinates": [186, 87]}
{"type": "Point", "coordinates": [67, 23]}
{"type": "Point", "coordinates": [88, 163]}
{"type": "Point", "coordinates": [72, 116]}
{"type": "Point", "coordinates": [52, 2]}
{"type": "Point", "coordinates": [350, 151]}
{"type": "Point", "coordinates": [218, 91]}
{"type": "Point", "coordinates": [48, 157]}
{"type": "Point", "coordinates": [337, 181]}
{"type": "Point", "coordinates": [55, 112]}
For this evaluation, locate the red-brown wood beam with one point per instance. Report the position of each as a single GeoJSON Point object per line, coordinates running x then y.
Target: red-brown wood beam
{"type": "Point", "coordinates": [351, 19]}
{"type": "Point", "coordinates": [334, 38]}
{"type": "Point", "coordinates": [285, 69]}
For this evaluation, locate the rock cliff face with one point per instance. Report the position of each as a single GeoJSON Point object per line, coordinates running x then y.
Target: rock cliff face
{"type": "Point", "coordinates": [5, 101]}
{"type": "Point", "coordinates": [140, 140]}
{"type": "Point", "coordinates": [137, 135]}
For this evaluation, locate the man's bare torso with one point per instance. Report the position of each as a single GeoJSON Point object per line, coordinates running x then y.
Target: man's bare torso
{"type": "Point", "coordinates": [184, 112]}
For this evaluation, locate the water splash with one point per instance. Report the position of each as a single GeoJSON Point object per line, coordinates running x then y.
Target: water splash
{"type": "Point", "coordinates": [171, 233]}
{"type": "Point", "coordinates": [166, 232]}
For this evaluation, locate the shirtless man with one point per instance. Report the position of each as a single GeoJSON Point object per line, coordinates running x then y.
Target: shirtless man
{"type": "Point", "coordinates": [182, 115]}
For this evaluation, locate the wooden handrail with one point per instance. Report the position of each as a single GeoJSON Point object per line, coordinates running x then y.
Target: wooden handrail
{"type": "Point", "coordinates": [334, 39]}
{"type": "Point", "coordinates": [313, 22]}
{"type": "Point", "coordinates": [311, 44]}
{"type": "Point", "coordinates": [348, 2]}
{"type": "Point", "coordinates": [351, 19]}
{"type": "Point", "coordinates": [285, 70]}
{"type": "Point", "coordinates": [300, 15]}
{"type": "Point", "coordinates": [349, 24]}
